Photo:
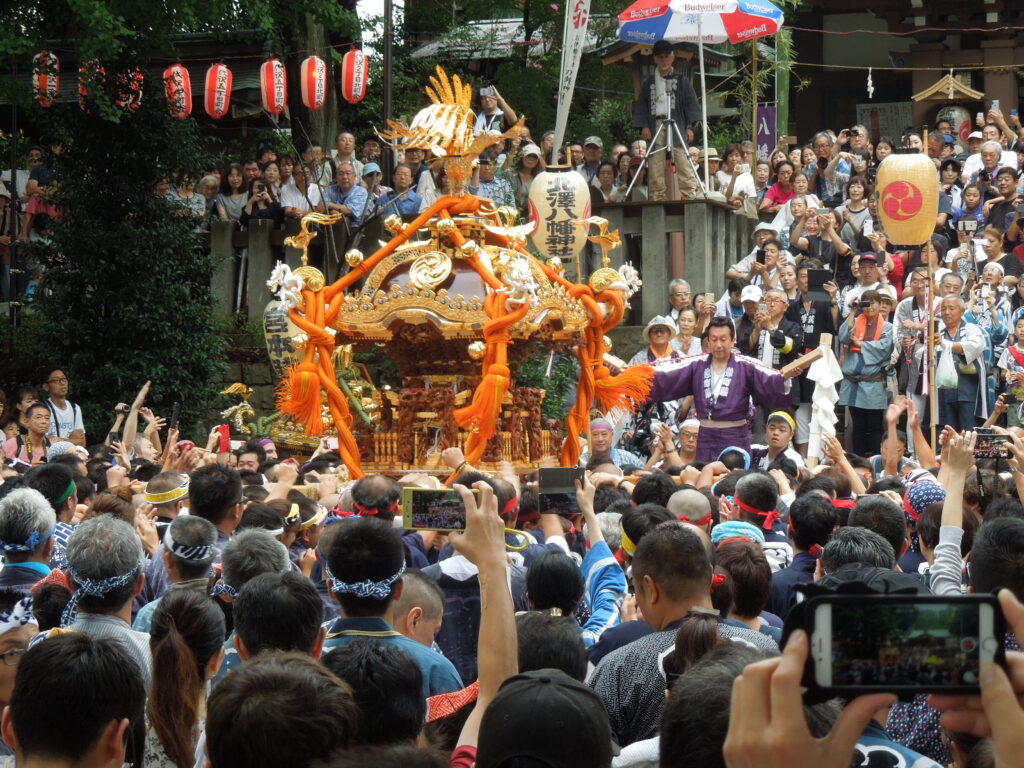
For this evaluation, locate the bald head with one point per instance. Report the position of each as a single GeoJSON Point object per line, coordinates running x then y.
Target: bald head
{"type": "Point", "coordinates": [690, 504]}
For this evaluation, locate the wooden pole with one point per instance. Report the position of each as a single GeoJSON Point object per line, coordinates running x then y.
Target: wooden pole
{"type": "Point", "coordinates": [930, 357]}
{"type": "Point", "coordinates": [753, 94]}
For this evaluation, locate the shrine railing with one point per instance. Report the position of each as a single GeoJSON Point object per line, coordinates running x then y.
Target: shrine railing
{"type": "Point", "coordinates": [696, 239]}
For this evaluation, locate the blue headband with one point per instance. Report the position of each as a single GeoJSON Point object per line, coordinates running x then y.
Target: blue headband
{"type": "Point", "coordinates": [196, 553]}
{"type": "Point", "coordinates": [379, 590]}
{"type": "Point", "coordinates": [33, 541]}
{"type": "Point", "coordinates": [737, 528]}
{"type": "Point", "coordinates": [223, 589]}
{"type": "Point", "coordinates": [93, 589]}
{"type": "Point", "coordinates": [746, 456]}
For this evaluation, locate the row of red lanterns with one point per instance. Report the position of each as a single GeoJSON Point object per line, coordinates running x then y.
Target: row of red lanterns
{"type": "Point", "coordinates": [355, 67]}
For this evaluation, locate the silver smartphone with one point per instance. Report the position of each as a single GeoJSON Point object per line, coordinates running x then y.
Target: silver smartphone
{"type": "Point", "coordinates": [902, 644]}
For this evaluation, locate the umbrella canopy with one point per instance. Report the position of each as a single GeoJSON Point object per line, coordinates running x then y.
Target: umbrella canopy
{"type": "Point", "coordinates": [735, 21]}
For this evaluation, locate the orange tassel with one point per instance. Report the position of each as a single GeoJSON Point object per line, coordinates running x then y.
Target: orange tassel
{"type": "Point", "coordinates": [626, 391]}
{"type": "Point", "coordinates": [298, 396]}
{"type": "Point", "coordinates": [482, 413]}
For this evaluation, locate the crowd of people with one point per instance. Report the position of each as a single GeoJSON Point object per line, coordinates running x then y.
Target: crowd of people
{"type": "Point", "coordinates": [168, 604]}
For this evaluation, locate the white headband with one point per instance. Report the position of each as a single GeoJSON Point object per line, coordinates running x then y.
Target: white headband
{"type": "Point", "coordinates": [20, 615]}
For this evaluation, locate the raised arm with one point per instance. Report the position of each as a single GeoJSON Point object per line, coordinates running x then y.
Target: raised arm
{"type": "Point", "coordinates": [483, 544]}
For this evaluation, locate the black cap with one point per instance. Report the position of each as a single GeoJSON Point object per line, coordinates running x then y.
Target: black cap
{"type": "Point", "coordinates": [662, 46]}
{"type": "Point", "coordinates": [548, 716]}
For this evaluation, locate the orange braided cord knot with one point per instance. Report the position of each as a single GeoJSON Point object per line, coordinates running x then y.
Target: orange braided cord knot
{"type": "Point", "coordinates": [298, 396]}
{"type": "Point", "coordinates": [481, 415]}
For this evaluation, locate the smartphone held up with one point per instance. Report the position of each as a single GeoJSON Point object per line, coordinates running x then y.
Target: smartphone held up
{"type": "Point", "coordinates": [902, 644]}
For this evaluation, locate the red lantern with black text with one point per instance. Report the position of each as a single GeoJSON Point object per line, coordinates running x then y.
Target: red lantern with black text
{"type": "Point", "coordinates": [313, 74]}
{"type": "Point", "coordinates": [355, 71]}
{"type": "Point", "coordinates": [179, 91]}
{"type": "Point", "coordinates": [46, 77]}
{"type": "Point", "coordinates": [273, 86]}
{"type": "Point", "coordinates": [129, 89]}
{"type": "Point", "coordinates": [217, 94]}
{"type": "Point", "coordinates": [91, 77]}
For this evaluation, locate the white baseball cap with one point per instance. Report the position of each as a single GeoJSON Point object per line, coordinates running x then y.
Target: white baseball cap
{"type": "Point", "coordinates": [751, 293]}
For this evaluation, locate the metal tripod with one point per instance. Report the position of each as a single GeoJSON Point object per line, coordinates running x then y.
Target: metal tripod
{"type": "Point", "coordinates": [672, 135]}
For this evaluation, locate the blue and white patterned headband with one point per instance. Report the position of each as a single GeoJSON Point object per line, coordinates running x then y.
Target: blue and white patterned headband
{"type": "Point", "coordinates": [93, 588]}
{"type": "Point", "coordinates": [20, 615]}
{"type": "Point", "coordinates": [379, 590]}
{"type": "Point", "coordinates": [220, 588]}
{"type": "Point", "coordinates": [33, 541]}
{"type": "Point", "coordinates": [199, 552]}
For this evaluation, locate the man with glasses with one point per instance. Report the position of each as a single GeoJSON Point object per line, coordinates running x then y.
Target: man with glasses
{"type": "Point", "coordinates": [17, 627]}
{"type": "Point", "coordinates": [679, 297]}
{"type": "Point", "coordinates": [776, 340]}
{"type": "Point", "coordinates": [65, 416]}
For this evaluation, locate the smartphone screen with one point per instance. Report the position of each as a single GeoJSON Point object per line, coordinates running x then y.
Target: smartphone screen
{"type": "Point", "coordinates": [899, 644]}
{"type": "Point", "coordinates": [557, 490]}
{"type": "Point", "coordinates": [990, 444]}
{"type": "Point", "coordinates": [430, 509]}
{"type": "Point", "coordinates": [332, 443]}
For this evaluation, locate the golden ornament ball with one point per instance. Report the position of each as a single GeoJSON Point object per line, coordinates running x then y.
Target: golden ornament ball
{"type": "Point", "coordinates": [477, 350]}
{"type": "Point", "coordinates": [556, 264]}
{"type": "Point", "coordinates": [445, 226]}
{"type": "Point", "coordinates": [607, 344]}
{"type": "Point", "coordinates": [354, 257]}
{"type": "Point", "coordinates": [394, 224]}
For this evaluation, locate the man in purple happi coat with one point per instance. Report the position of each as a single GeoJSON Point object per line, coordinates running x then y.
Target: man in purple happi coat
{"type": "Point", "coordinates": [722, 384]}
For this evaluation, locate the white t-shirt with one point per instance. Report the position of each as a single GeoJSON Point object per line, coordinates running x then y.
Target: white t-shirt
{"type": "Point", "coordinates": [744, 183]}
{"type": "Point", "coordinates": [291, 197]}
{"type": "Point", "coordinates": [64, 422]}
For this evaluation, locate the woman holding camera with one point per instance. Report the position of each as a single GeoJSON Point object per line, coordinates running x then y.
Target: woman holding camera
{"type": "Point", "coordinates": [262, 204]}
{"type": "Point", "coordinates": [865, 348]}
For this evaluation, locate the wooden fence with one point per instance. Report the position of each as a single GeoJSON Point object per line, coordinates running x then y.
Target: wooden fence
{"type": "Point", "coordinates": [697, 240]}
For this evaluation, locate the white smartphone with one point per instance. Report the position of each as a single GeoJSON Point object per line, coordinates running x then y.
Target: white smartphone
{"type": "Point", "coordinates": [995, 104]}
{"type": "Point", "coordinates": [332, 443]}
{"type": "Point", "coordinates": [986, 289]}
{"type": "Point", "coordinates": [902, 643]}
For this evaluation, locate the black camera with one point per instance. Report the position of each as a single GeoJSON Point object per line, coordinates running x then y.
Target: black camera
{"type": "Point", "coordinates": [124, 410]}
{"type": "Point", "coordinates": [822, 163]}
{"type": "Point", "coordinates": [860, 304]}
{"type": "Point", "coordinates": [760, 256]}
{"type": "Point", "coordinates": [853, 131]}
{"type": "Point", "coordinates": [984, 176]}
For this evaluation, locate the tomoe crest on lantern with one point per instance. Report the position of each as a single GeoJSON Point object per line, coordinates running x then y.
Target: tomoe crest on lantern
{"type": "Point", "coordinates": [178, 85]}
{"type": "Point", "coordinates": [46, 77]}
{"type": "Point", "coordinates": [558, 198]}
{"type": "Point", "coordinates": [908, 197]}
{"type": "Point", "coordinates": [313, 75]}
{"type": "Point", "coordinates": [355, 70]}
{"type": "Point", "coordinates": [217, 93]}
{"type": "Point", "coordinates": [273, 86]}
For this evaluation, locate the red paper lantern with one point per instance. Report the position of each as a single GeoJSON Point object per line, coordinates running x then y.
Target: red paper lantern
{"type": "Point", "coordinates": [355, 71]}
{"type": "Point", "coordinates": [218, 91]}
{"type": "Point", "coordinates": [179, 91]}
{"type": "Point", "coordinates": [313, 75]}
{"type": "Point", "coordinates": [129, 89]}
{"type": "Point", "coordinates": [46, 77]}
{"type": "Point", "coordinates": [91, 76]}
{"type": "Point", "coordinates": [273, 86]}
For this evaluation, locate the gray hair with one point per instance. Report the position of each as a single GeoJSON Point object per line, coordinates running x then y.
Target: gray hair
{"type": "Point", "coordinates": [823, 134]}
{"type": "Point", "coordinates": [610, 524]}
{"type": "Point", "coordinates": [250, 553]}
{"type": "Point", "coordinates": [105, 547]}
{"type": "Point", "coordinates": [689, 502]}
{"type": "Point", "coordinates": [675, 282]}
{"type": "Point", "coordinates": [193, 531]}
{"type": "Point", "coordinates": [959, 299]}
{"type": "Point", "coordinates": [210, 179]}
{"type": "Point", "coordinates": [25, 512]}
{"type": "Point", "coordinates": [854, 544]}
{"type": "Point", "coordinates": [992, 146]}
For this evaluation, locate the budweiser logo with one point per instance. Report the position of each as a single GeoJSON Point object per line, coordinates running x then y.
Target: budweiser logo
{"type": "Point", "coordinates": [752, 32]}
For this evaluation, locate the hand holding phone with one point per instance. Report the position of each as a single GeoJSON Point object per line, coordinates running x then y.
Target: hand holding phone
{"type": "Point", "coordinates": [557, 490]}
{"type": "Point", "coordinates": [904, 644]}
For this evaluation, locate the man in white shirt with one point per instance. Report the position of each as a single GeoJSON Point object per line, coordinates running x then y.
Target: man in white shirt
{"type": "Point", "coordinates": [299, 197]}
{"type": "Point", "coordinates": [65, 416]}
{"type": "Point", "coordinates": [868, 279]}
{"type": "Point", "coordinates": [975, 163]}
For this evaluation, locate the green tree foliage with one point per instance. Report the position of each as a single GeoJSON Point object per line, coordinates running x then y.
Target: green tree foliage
{"type": "Point", "coordinates": [126, 294]}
